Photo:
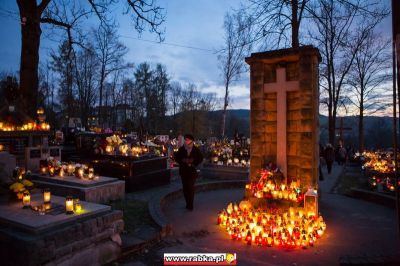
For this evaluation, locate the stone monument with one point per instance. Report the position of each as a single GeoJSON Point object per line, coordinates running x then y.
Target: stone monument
{"type": "Point", "coordinates": [284, 93]}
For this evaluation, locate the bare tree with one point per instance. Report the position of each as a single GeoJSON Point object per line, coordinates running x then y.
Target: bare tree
{"type": "Point", "coordinates": [341, 30]}
{"type": "Point", "coordinates": [110, 53]}
{"type": "Point", "coordinates": [367, 76]}
{"type": "Point", "coordinates": [86, 69]}
{"type": "Point", "coordinates": [145, 13]}
{"type": "Point", "coordinates": [232, 55]}
{"type": "Point", "coordinates": [175, 94]}
{"type": "Point", "coordinates": [62, 62]}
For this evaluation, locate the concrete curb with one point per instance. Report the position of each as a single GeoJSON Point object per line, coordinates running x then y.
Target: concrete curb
{"type": "Point", "coordinates": [157, 203]}
{"type": "Point", "coordinates": [375, 197]}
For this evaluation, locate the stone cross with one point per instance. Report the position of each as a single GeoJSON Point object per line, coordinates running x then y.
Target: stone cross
{"type": "Point", "coordinates": [280, 88]}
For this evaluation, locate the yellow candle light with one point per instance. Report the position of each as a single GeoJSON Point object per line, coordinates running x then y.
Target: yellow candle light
{"type": "Point", "coordinates": [109, 149]}
{"type": "Point", "coordinates": [26, 199]}
{"type": "Point", "coordinates": [43, 170]}
{"type": "Point", "coordinates": [46, 196]}
{"type": "Point", "coordinates": [78, 206]}
{"type": "Point", "coordinates": [80, 172]}
{"type": "Point", "coordinates": [69, 205]}
{"type": "Point", "coordinates": [91, 173]}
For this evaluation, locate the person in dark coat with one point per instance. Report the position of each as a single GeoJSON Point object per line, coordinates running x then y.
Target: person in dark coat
{"type": "Point", "coordinates": [329, 157]}
{"type": "Point", "coordinates": [188, 157]}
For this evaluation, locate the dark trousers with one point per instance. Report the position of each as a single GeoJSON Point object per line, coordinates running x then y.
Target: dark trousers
{"type": "Point", "coordinates": [329, 165]}
{"type": "Point", "coordinates": [188, 181]}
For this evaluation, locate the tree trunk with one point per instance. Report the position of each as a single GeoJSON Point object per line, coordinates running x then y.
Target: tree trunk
{"type": "Point", "coordinates": [30, 35]}
{"type": "Point", "coordinates": [361, 131]}
{"type": "Point", "coordinates": [332, 125]}
{"type": "Point", "coordinates": [100, 114]}
{"type": "Point", "coordinates": [295, 24]}
{"type": "Point", "coordinates": [224, 111]}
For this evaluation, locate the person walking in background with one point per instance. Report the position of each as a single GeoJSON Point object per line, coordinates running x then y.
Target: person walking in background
{"type": "Point", "coordinates": [188, 157]}
{"type": "Point", "coordinates": [329, 157]}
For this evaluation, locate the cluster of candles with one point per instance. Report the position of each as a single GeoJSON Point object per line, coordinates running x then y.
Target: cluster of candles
{"type": "Point", "coordinates": [227, 154]}
{"type": "Point", "coordinates": [231, 162]}
{"type": "Point", "coordinates": [293, 228]}
{"type": "Point", "coordinates": [386, 182]}
{"type": "Point", "coordinates": [267, 188]}
{"type": "Point", "coordinates": [79, 170]}
{"type": "Point", "coordinates": [71, 205]}
{"type": "Point", "coordinates": [379, 162]}
{"type": "Point", "coordinates": [31, 126]}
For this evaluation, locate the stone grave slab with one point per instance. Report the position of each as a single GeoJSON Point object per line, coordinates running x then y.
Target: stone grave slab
{"type": "Point", "coordinates": [86, 238]}
{"type": "Point", "coordinates": [101, 190]}
{"type": "Point", "coordinates": [30, 220]}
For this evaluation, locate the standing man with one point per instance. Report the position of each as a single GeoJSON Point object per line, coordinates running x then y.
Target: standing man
{"type": "Point", "coordinates": [329, 156]}
{"type": "Point", "coordinates": [188, 157]}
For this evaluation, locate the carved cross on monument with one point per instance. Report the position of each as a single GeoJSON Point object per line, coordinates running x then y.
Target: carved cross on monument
{"type": "Point", "coordinates": [280, 88]}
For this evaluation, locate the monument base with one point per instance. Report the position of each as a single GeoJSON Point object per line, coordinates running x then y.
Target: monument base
{"type": "Point", "coordinates": [91, 237]}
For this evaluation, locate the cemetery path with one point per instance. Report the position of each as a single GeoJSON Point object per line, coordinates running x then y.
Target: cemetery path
{"type": "Point", "coordinates": [354, 228]}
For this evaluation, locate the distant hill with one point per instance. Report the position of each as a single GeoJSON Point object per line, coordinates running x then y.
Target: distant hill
{"type": "Point", "coordinates": [377, 130]}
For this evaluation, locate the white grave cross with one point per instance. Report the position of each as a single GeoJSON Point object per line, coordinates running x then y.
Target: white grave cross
{"type": "Point", "coordinates": [280, 88]}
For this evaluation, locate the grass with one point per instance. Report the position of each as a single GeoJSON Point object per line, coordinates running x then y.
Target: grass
{"type": "Point", "coordinates": [351, 178]}
{"type": "Point", "coordinates": [136, 213]}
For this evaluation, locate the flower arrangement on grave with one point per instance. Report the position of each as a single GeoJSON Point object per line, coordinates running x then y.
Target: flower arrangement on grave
{"type": "Point", "coordinates": [269, 225]}
{"type": "Point", "coordinates": [112, 143]}
{"type": "Point", "coordinates": [21, 182]}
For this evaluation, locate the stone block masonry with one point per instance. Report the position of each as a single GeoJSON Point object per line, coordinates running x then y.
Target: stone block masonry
{"type": "Point", "coordinates": [284, 86]}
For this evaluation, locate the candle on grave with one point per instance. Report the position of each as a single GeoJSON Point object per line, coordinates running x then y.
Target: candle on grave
{"type": "Point", "coordinates": [51, 171]}
{"type": "Point", "coordinates": [91, 173]}
{"type": "Point", "coordinates": [109, 149]}
{"type": "Point", "coordinates": [80, 172]}
{"type": "Point", "coordinates": [26, 199]}
{"type": "Point", "coordinates": [46, 195]}
{"type": "Point", "coordinates": [71, 169]}
{"type": "Point", "coordinates": [43, 170]}
{"type": "Point", "coordinates": [78, 206]}
{"type": "Point", "coordinates": [69, 205]}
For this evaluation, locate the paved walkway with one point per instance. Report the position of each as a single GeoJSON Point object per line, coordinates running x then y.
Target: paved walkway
{"type": "Point", "coordinates": [354, 227]}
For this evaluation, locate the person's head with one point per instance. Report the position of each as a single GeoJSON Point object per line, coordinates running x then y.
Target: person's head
{"type": "Point", "coordinates": [188, 139]}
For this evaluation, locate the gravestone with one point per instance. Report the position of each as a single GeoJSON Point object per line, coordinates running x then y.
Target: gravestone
{"type": "Point", "coordinates": [91, 237]}
{"type": "Point", "coordinates": [284, 93]}
{"type": "Point", "coordinates": [33, 156]}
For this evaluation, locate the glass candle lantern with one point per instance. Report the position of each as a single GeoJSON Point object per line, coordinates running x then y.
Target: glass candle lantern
{"type": "Point", "coordinates": [61, 172]}
{"type": "Point", "coordinates": [71, 169]}
{"type": "Point", "coordinates": [26, 199]}
{"type": "Point", "coordinates": [51, 171]}
{"type": "Point", "coordinates": [43, 170]}
{"type": "Point", "coordinates": [69, 205]}
{"type": "Point", "coordinates": [311, 202]}
{"type": "Point", "coordinates": [80, 172]}
{"type": "Point", "coordinates": [109, 149]}
{"type": "Point", "coordinates": [78, 206]}
{"type": "Point", "coordinates": [46, 195]}
{"type": "Point", "coordinates": [91, 173]}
